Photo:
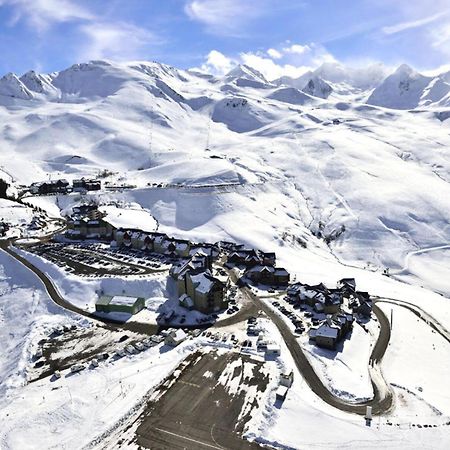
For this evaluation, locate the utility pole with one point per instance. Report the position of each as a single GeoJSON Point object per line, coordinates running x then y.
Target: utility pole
{"type": "Point", "coordinates": [392, 317]}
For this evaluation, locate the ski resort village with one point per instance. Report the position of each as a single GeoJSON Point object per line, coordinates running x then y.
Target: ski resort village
{"type": "Point", "coordinates": [190, 261]}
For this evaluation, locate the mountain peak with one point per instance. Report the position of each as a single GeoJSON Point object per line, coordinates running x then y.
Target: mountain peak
{"type": "Point", "coordinates": [404, 69]}
{"type": "Point", "coordinates": [11, 86]}
{"type": "Point", "coordinates": [244, 71]}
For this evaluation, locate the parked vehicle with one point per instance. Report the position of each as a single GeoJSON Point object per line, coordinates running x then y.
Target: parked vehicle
{"type": "Point", "coordinates": [139, 346]}
{"type": "Point", "coordinates": [77, 368]}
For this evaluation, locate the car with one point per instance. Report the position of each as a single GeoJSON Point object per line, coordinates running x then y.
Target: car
{"type": "Point", "coordinates": [77, 368]}
{"type": "Point", "coordinates": [130, 349]}
{"type": "Point", "coordinates": [123, 338]}
{"type": "Point", "coordinates": [120, 353]}
{"type": "Point", "coordinates": [56, 374]}
{"type": "Point", "coordinates": [299, 330]}
{"type": "Point", "coordinates": [139, 346]}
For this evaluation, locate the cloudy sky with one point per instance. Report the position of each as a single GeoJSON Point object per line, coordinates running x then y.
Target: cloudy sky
{"type": "Point", "coordinates": [278, 37]}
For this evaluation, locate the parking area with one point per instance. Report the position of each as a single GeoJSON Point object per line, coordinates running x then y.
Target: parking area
{"type": "Point", "coordinates": [82, 346]}
{"type": "Point", "coordinates": [201, 410]}
{"type": "Point", "coordinates": [96, 260]}
{"type": "Point", "coordinates": [299, 315]}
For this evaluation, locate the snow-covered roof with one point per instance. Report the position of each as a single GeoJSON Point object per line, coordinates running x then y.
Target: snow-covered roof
{"type": "Point", "coordinates": [178, 335]}
{"type": "Point", "coordinates": [326, 331]}
{"type": "Point", "coordinates": [117, 300]}
{"type": "Point", "coordinates": [202, 282]}
{"type": "Point", "coordinates": [129, 218]}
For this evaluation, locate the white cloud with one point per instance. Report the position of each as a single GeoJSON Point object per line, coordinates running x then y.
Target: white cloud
{"type": "Point", "coordinates": [118, 41]}
{"type": "Point", "coordinates": [217, 63]}
{"type": "Point", "coordinates": [100, 39]}
{"type": "Point", "coordinates": [269, 68]}
{"type": "Point", "coordinates": [404, 26]}
{"type": "Point", "coordinates": [297, 48]}
{"type": "Point", "coordinates": [275, 54]}
{"type": "Point", "coordinates": [40, 14]}
{"type": "Point", "coordinates": [225, 17]}
{"type": "Point", "coordinates": [273, 63]}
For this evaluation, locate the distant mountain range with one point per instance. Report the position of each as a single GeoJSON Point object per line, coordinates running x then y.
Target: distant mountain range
{"type": "Point", "coordinates": [403, 89]}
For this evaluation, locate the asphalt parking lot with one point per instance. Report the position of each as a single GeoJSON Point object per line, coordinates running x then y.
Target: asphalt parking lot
{"type": "Point", "coordinates": [197, 412]}
{"type": "Point", "coordinates": [95, 261]}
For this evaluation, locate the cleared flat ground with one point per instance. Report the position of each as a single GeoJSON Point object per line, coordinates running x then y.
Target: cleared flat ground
{"type": "Point", "coordinates": [197, 412]}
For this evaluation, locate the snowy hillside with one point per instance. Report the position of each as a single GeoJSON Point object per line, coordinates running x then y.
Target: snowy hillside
{"type": "Point", "coordinates": [341, 173]}
{"type": "Point", "coordinates": [361, 182]}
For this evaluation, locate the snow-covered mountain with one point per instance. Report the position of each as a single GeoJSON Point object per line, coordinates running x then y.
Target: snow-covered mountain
{"type": "Point", "coordinates": [309, 83]}
{"type": "Point", "coordinates": [342, 173]}
{"type": "Point", "coordinates": [11, 86]}
{"type": "Point", "coordinates": [375, 169]}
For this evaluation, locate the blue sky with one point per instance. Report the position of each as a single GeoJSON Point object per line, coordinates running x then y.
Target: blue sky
{"type": "Point", "coordinates": [275, 36]}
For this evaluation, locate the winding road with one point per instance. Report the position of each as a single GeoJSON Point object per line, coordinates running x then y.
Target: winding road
{"type": "Point", "coordinates": [383, 397]}
{"type": "Point", "coordinates": [419, 312]}
{"type": "Point", "coordinates": [149, 329]}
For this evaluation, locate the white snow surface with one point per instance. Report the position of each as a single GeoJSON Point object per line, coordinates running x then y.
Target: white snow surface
{"type": "Point", "coordinates": [234, 159]}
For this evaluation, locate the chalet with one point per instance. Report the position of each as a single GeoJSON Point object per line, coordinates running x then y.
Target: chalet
{"type": "Point", "coordinates": [211, 250]}
{"type": "Point", "coordinates": [281, 277]}
{"type": "Point", "coordinates": [268, 258]}
{"type": "Point", "coordinates": [332, 330]}
{"type": "Point", "coordinates": [332, 302]}
{"type": "Point", "coordinates": [86, 228]}
{"type": "Point", "coordinates": [159, 242]}
{"type": "Point", "coordinates": [244, 257]}
{"type": "Point", "coordinates": [268, 275]}
{"type": "Point", "coordinates": [199, 262]}
{"type": "Point", "coordinates": [86, 210]}
{"type": "Point", "coordinates": [206, 291]}
{"type": "Point", "coordinates": [84, 185]}
{"type": "Point", "coordinates": [327, 336]}
{"type": "Point", "coordinates": [178, 247]}
{"type": "Point", "coordinates": [50, 187]}
{"type": "Point", "coordinates": [347, 286]}
{"type": "Point", "coordinates": [361, 306]}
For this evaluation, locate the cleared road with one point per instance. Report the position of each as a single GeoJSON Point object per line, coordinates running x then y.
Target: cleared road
{"type": "Point", "coordinates": [61, 301]}
{"type": "Point", "coordinates": [383, 397]}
